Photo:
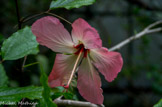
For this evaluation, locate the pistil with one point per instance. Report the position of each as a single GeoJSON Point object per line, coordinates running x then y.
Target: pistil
{"type": "Point", "coordinates": [74, 68]}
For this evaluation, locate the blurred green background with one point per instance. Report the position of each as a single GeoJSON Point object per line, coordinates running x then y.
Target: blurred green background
{"type": "Point", "coordinates": [139, 84]}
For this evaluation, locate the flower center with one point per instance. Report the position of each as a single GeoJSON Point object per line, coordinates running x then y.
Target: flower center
{"type": "Point", "coordinates": [80, 49]}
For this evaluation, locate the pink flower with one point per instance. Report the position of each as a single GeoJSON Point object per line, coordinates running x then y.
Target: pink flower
{"type": "Point", "coordinates": [83, 49]}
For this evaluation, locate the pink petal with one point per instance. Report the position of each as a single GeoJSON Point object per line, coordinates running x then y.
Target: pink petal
{"type": "Point", "coordinates": [83, 32]}
{"type": "Point", "coordinates": [108, 63]}
{"type": "Point", "coordinates": [52, 34]}
{"type": "Point", "coordinates": [62, 70]}
{"type": "Point", "coordinates": [89, 82]}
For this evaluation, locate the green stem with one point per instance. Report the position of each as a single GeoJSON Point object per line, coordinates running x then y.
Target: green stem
{"type": "Point", "coordinates": [30, 64]}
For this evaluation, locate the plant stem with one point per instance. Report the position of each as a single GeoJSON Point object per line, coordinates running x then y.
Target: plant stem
{"type": "Point", "coordinates": [18, 15]}
{"type": "Point", "coordinates": [31, 64]}
{"type": "Point", "coordinates": [19, 27]}
{"type": "Point", "coordinates": [39, 14]}
{"type": "Point", "coordinates": [148, 30]}
{"type": "Point", "coordinates": [22, 68]}
{"type": "Point", "coordinates": [64, 102]}
{"type": "Point", "coordinates": [58, 17]}
{"type": "Point", "coordinates": [31, 17]}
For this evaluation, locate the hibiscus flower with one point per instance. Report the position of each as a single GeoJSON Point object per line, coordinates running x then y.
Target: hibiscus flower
{"type": "Point", "coordinates": [83, 51]}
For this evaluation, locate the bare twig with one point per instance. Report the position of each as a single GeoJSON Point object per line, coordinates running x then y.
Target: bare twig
{"type": "Point", "coordinates": [22, 68]}
{"type": "Point", "coordinates": [18, 14]}
{"type": "Point", "coordinates": [73, 103]}
{"type": "Point", "coordinates": [147, 30]}
{"type": "Point", "coordinates": [58, 17]}
{"type": "Point", "coordinates": [154, 24]}
{"type": "Point", "coordinates": [23, 20]}
{"type": "Point", "coordinates": [31, 17]}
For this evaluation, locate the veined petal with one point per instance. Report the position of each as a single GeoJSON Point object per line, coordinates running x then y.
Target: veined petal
{"type": "Point", "coordinates": [52, 34]}
{"type": "Point", "coordinates": [89, 82]}
{"type": "Point", "coordinates": [62, 70]}
{"type": "Point", "coordinates": [83, 32]}
{"type": "Point", "coordinates": [108, 63]}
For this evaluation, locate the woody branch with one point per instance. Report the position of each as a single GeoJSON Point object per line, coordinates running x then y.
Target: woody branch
{"type": "Point", "coordinates": [62, 102]}
{"type": "Point", "coordinates": [148, 30]}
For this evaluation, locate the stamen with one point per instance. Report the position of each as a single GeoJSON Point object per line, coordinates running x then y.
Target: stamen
{"type": "Point", "coordinates": [74, 68]}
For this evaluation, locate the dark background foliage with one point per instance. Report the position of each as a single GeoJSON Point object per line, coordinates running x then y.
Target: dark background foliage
{"type": "Point", "coordinates": [139, 84]}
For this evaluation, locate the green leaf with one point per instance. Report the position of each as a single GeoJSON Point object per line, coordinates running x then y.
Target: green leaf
{"type": "Point", "coordinates": [56, 95]}
{"type": "Point", "coordinates": [69, 4]}
{"type": "Point", "coordinates": [58, 89]}
{"type": "Point", "coordinates": [16, 94]}
{"type": "Point", "coordinates": [41, 103]}
{"type": "Point", "coordinates": [20, 44]}
{"type": "Point", "coordinates": [3, 77]}
{"type": "Point", "coordinates": [159, 104]}
{"type": "Point", "coordinates": [68, 95]}
{"type": "Point", "coordinates": [46, 90]}
{"type": "Point", "coordinates": [57, 92]}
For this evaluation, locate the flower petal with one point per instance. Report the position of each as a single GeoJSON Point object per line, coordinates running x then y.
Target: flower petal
{"type": "Point", "coordinates": [83, 32]}
{"type": "Point", "coordinates": [108, 63]}
{"type": "Point", "coordinates": [89, 82]}
{"type": "Point", "coordinates": [51, 33]}
{"type": "Point", "coordinates": [62, 70]}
